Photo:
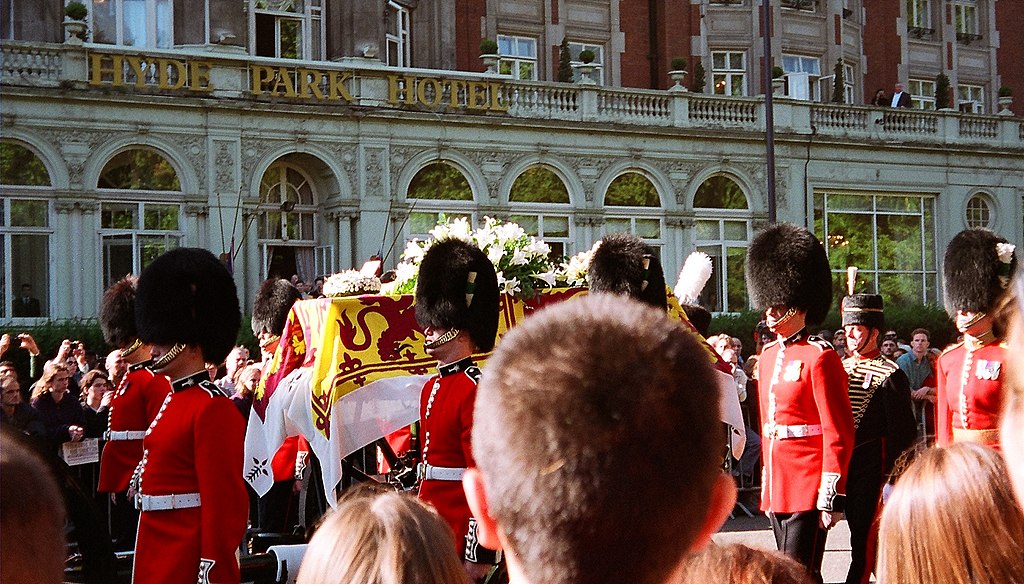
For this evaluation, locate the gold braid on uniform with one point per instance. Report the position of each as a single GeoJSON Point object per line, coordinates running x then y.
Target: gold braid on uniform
{"type": "Point", "coordinates": [880, 368]}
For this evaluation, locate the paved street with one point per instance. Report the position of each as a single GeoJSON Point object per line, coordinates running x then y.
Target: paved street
{"type": "Point", "coordinates": [757, 532]}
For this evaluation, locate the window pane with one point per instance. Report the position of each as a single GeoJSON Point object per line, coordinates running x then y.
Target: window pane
{"type": "Point", "coordinates": [648, 228]}
{"type": "Point", "coordinates": [736, 230]}
{"type": "Point", "coordinates": [134, 22]}
{"type": "Point", "coordinates": [736, 287]}
{"type": "Point", "coordinates": [291, 38]}
{"type": "Point", "coordinates": [538, 184]}
{"type": "Point", "coordinates": [117, 258]}
{"type": "Point", "coordinates": [163, 24]}
{"type": "Point", "coordinates": [901, 288]}
{"type": "Point", "coordinates": [119, 216]}
{"type": "Point", "coordinates": [271, 225]}
{"type": "Point", "coordinates": [505, 45]}
{"type": "Point", "coordinates": [162, 217]}
{"type": "Point", "coordinates": [720, 192]}
{"type": "Point", "coordinates": [529, 223]}
{"type": "Point", "coordinates": [849, 202]}
{"type": "Point", "coordinates": [440, 181]}
{"type": "Point", "coordinates": [29, 213]}
{"type": "Point", "coordinates": [30, 261]}
{"type": "Point", "coordinates": [527, 48]}
{"type": "Point", "coordinates": [104, 23]}
{"type": "Point", "coordinates": [556, 226]}
{"type": "Point", "coordinates": [20, 166]}
{"type": "Point", "coordinates": [526, 70]}
{"type": "Point", "coordinates": [306, 226]}
{"type": "Point", "coordinates": [850, 241]}
{"type": "Point", "coordinates": [632, 189]}
{"type": "Point", "coordinates": [708, 230]}
{"type": "Point", "coordinates": [710, 296]}
{"type": "Point", "coordinates": [614, 225]}
{"type": "Point", "coordinates": [718, 60]}
{"type": "Point", "coordinates": [422, 222]}
{"type": "Point", "coordinates": [736, 61]}
{"type": "Point", "coordinates": [139, 169]}
{"type": "Point", "coordinates": [153, 246]}
{"type": "Point", "coordinates": [929, 236]}
{"type": "Point", "coordinates": [912, 204]}
{"type": "Point", "coordinates": [899, 242]}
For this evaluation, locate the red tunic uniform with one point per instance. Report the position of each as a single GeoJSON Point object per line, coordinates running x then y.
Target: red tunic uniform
{"type": "Point", "coordinates": [195, 445]}
{"type": "Point", "coordinates": [808, 425]}
{"type": "Point", "coordinates": [969, 393]}
{"type": "Point", "coordinates": [136, 401]}
{"type": "Point", "coordinates": [446, 418]}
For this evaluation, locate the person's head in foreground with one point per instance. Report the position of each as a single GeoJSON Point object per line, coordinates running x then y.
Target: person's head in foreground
{"type": "Point", "coordinates": [382, 538]}
{"type": "Point", "coordinates": [1012, 424]}
{"type": "Point", "coordinates": [598, 441]}
{"type": "Point", "coordinates": [952, 518]}
{"type": "Point", "coordinates": [739, 564]}
{"type": "Point", "coordinates": [31, 517]}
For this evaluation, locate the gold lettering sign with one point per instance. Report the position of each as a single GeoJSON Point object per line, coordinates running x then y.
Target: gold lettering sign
{"type": "Point", "coordinates": [142, 71]}
{"type": "Point", "coordinates": [431, 92]}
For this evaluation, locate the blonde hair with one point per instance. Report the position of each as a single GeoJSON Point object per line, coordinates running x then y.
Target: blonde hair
{"type": "Point", "coordinates": [739, 564]}
{"type": "Point", "coordinates": [1012, 434]}
{"type": "Point", "coordinates": [50, 370]}
{"type": "Point", "coordinates": [952, 518]}
{"type": "Point", "coordinates": [386, 538]}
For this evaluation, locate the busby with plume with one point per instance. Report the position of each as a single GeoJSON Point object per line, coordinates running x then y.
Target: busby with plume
{"type": "Point", "coordinates": [457, 288]}
{"type": "Point", "coordinates": [863, 309]}
{"type": "Point", "coordinates": [787, 266]}
{"type": "Point", "coordinates": [187, 296]}
{"type": "Point", "coordinates": [270, 309]}
{"type": "Point", "coordinates": [977, 269]}
{"type": "Point", "coordinates": [117, 313]}
{"type": "Point", "coordinates": [624, 264]}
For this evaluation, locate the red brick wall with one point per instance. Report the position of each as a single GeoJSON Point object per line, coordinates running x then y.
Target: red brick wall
{"type": "Point", "coordinates": [636, 67]}
{"type": "Point", "coordinates": [468, 15]}
{"type": "Point", "coordinates": [1010, 55]}
{"type": "Point", "coordinates": [881, 46]}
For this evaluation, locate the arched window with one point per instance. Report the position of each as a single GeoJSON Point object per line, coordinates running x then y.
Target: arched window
{"type": "Point", "coordinates": [139, 169]}
{"type": "Point", "coordinates": [21, 166]}
{"type": "Point", "coordinates": [24, 233]}
{"type": "Point", "coordinates": [539, 203]}
{"type": "Point", "coordinates": [634, 206]}
{"type": "Point", "coordinates": [288, 205]}
{"type": "Point", "coordinates": [722, 231]}
{"type": "Point", "coordinates": [979, 212]}
{"type": "Point", "coordinates": [437, 189]}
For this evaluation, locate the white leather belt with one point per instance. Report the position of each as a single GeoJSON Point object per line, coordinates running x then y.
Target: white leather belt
{"type": "Point", "coordinates": [124, 435]}
{"type": "Point", "coordinates": [782, 431]}
{"type": "Point", "coordinates": [440, 473]}
{"type": "Point", "coordinates": [166, 502]}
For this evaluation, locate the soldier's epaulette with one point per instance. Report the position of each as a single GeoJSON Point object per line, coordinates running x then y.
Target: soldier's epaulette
{"type": "Point", "coordinates": [211, 388]}
{"type": "Point", "coordinates": [474, 373]}
{"type": "Point", "coordinates": [887, 364]}
{"type": "Point", "coordinates": [950, 348]}
{"type": "Point", "coordinates": [820, 343]}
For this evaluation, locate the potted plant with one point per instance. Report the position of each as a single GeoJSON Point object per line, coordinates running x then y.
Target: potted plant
{"type": "Point", "coordinates": [778, 81]}
{"type": "Point", "coordinates": [489, 54]}
{"type": "Point", "coordinates": [1005, 100]}
{"type": "Point", "coordinates": [942, 92]}
{"type": "Point", "coordinates": [74, 21]}
{"type": "Point", "coordinates": [698, 82]}
{"type": "Point", "coordinates": [678, 73]}
{"type": "Point", "coordinates": [586, 66]}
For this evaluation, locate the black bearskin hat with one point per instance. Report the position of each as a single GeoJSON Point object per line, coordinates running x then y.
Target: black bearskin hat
{"type": "Point", "coordinates": [864, 309]}
{"type": "Point", "coordinates": [117, 313]}
{"type": "Point", "coordinates": [624, 264]}
{"type": "Point", "coordinates": [973, 275]}
{"type": "Point", "coordinates": [699, 317]}
{"type": "Point", "coordinates": [787, 266]}
{"type": "Point", "coordinates": [448, 297]}
{"type": "Point", "coordinates": [270, 309]}
{"type": "Point", "coordinates": [187, 296]}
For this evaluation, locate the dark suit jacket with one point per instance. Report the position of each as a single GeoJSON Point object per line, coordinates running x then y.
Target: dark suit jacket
{"type": "Point", "coordinates": [904, 100]}
{"type": "Point", "coordinates": [22, 308]}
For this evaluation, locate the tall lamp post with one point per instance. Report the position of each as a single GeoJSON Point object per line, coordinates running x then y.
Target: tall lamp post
{"type": "Point", "coordinates": [769, 113]}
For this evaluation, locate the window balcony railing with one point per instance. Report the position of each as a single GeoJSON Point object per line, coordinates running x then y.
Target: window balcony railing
{"type": "Point", "coordinates": [921, 32]}
{"type": "Point", "coordinates": [967, 38]}
{"type": "Point", "coordinates": [373, 87]}
{"type": "Point", "coordinates": [806, 5]}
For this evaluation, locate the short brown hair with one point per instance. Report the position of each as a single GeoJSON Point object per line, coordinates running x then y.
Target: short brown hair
{"type": "Point", "coordinates": [385, 538]}
{"type": "Point", "coordinates": [89, 378]}
{"type": "Point", "coordinates": [952, 518]}
{"type": "Point", "coordinates": [597, 432]}
{"type": "Point", "coordinates": [920, 331]}
{"type": "Point", "coordinates": [739, 564]}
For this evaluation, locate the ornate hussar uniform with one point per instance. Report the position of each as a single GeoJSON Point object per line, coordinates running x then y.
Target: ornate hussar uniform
{"type": "Point", "coordinates": [135, 403]}
{"type": "Point", "coordinates": [457, 290]}
{"type": "Point", "coordinates": [189, 484]}
{"type": "Point", "coordinates": [807, 437]}
{"type": "Point", "coordinates": [977, 268]}
{"type": "Point", "coordinates": [885, 427]}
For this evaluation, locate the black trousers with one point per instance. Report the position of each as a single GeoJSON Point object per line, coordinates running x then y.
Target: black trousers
{"type": "Point", "coordinates": [863, 490]}
{"type": "Point", "coordinates": [799, 536]}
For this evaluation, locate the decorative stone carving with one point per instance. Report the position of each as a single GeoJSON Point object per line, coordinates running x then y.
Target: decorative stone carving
{"type": "Point", "coordinates": [400, 156]}
{"type": "Point", "coordinates": [374, 164]}
{"type": "Point", "coordinates": [197, 209]}
{"type": "Point", "coordinates": [253, 148]}
{"type": "Point", "coordinates": [194, 147]}
{"type": "Point", "coordinates": [224, 162]}
{"type": "Point", "coordinates": [589, 169]}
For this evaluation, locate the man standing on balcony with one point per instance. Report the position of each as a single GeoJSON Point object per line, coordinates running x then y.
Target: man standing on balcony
{"type": "Point", "coordinates": [900, 98]}
{"type": "Point", "coordinates": [808, 423]}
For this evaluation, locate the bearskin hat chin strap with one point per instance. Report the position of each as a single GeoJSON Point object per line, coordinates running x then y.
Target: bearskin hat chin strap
{"type": "Point", "coordinates": [790, 313]}
{"type": "Point", "coordinates": [446, 337]}
{"type": "Point", "coordinates": [135, 346]}
{"type": "Point", "coordinates": [169, 356]}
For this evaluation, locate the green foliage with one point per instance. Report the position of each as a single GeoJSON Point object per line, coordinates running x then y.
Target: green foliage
{"type": "Point", "coordinates": [838, 83]}
{"type": "Point", "coordinates": [698, 82]}
{"type": "Point", "coordinates": [564, 62]}
{"type": "Point", "coordinates": [75, 10]}
{"type": "Point", "coordinates": [632, 189]}
{"type": "Point", "coordinates": [942, 91]}
{"type": "Point", "coordinates": [488, 47]}
{"type": "Point", "coordinates": [902, 319]}
{"type": "Point", "coordinates": [20, 166]}
{"type": "Point", "coordinates": [538, 184]}
{"type": "Point", "coordinates": [720, 192]}
{"type": "Point", "coordinates": [777, 72]}
{"type": "Point", "coordinates": [678, 64]}
{"type": "Point", "coordinates": [440, 181]}
{"type": "Point", "coordinates": [587, 56]}
{"type": "Point", "coordinates": [139, 169]}
{"type": "Point", "coordinates": [1005, 91]}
